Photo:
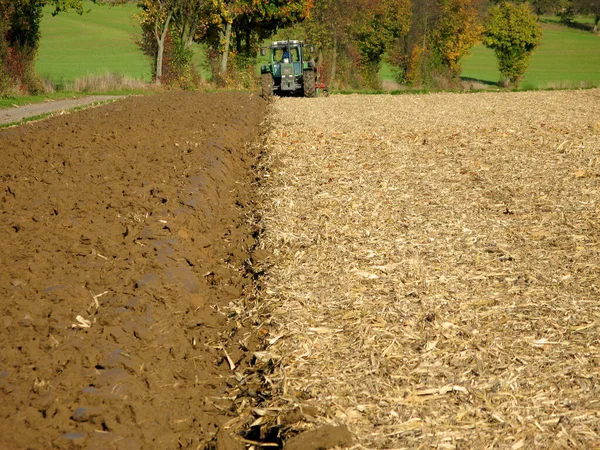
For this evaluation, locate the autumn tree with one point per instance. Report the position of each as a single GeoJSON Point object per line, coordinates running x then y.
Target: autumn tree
{"type": "Point", "coordinates": [544, 6]}
{"type": "Point", "coordinates": [327, 28]}
{"type": "Point", "coordinates": [441, 33]}
{"type": "Point", "coordinates": [228, 27]}
{"type": "Point", "coordinates": [169, 28]}
{"type": "Point", "coordinates": [513, 32]}
{"type": "Point", "coordinates": [373, 31]}
{"type": "Point", "coordinates": [236, 27]}
{"type": "Point", "coordinates": [561, 8]}
{"type": "Point", "coordinates": [192, 17]}
{"type": "Point", "coordinates": [157, 19]}
{"type": "Point", "coordinates": [353, 36]}
{"type": "Point", "coordinates": [410, 54]}
{"type": "Point", "coordinates": [19, 40]}
{"type": "Point", "coordinates": [456, 31]}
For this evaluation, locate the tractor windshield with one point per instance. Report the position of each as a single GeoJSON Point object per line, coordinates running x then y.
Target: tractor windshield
{"type": "Point", "coordinates": [286, 55]}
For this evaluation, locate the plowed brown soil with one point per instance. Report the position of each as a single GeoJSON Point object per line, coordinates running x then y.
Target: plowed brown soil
{"type": "Point", "coordinates": [122, 236]}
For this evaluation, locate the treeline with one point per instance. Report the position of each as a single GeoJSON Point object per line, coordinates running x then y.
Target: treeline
{"type": "Point", "coordinates": [424, 40]}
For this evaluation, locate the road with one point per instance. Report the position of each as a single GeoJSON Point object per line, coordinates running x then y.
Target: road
{"type": "Point", "coordinates": [17, 114]}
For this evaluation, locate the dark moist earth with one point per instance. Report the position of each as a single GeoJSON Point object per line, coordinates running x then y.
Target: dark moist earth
{"type": "Point", "coordinates": [123, 234]}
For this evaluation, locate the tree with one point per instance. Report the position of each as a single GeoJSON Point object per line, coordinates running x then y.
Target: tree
{"type": "Point", "coordinates": [353, 35]}
{"type": "Point", "coordinates": [513, 32]}
{"type": "Point", "coordinates": [544, 6]}
{"type": "Point", "coordinates": [565, 10]}
{"type": "Point", "coordinates": [169, 28]}
{"type": "Point", "coordinates": [19, 40]}
{"type": "Point", "coordinates": [162, 19]}
{"type": "Point", "coordinates": [376, 25]}
{"type": "Point", "coordinates": [156, 19]}
{"type": "Point", "coordinates": [328, 29]}
{"type": "Point", "coordinates": [415, 62]}
{"type": "Point", "coordinates": [558, 7]}
{"type": "Point", "coordinates": [219, 19]}
{"type": "Point", "coordinates": [244, 23]}
{"type": "Point", "coordinates": [456, 32]}
{"type": "Point", "coordinates": [441, 33]}
{"type": "Point", "coordinates": [192, 16]}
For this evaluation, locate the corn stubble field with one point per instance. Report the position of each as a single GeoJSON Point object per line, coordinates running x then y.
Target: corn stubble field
{"type": "Point", "coordinates": [435, 267]}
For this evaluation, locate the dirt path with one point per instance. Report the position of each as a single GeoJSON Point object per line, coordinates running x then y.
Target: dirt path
{"type": "Point", "coordinates": [122, 240]}
{"type": "Point", "coordinates": [20, 113]}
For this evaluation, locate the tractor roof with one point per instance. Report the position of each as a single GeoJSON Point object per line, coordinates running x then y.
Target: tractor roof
{"type": "Point", "coordinates": [284, 44]}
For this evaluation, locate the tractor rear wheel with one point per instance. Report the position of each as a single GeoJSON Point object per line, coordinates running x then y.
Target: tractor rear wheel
{"type": "Point", "coordinates": [267, 85]}
{"type": "Point", "coordinates": [308, 80]}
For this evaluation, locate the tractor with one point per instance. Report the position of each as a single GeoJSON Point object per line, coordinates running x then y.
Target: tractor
{"type": "Point", "coordinates": [288, 71]}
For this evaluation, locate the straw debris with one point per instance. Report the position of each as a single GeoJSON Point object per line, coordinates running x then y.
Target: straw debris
{"type": "Point", "coordinates": [435, 268]}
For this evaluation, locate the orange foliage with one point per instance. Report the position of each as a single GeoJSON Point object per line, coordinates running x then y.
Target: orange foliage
{"type": "Point", "coordinates": [457, 32]}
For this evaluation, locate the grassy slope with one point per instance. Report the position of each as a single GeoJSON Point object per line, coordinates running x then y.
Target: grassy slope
{"type": "Point", "coordinates": [566, 57]}
{"type": "Point", "coordinates": [102, 41]}
{"type": "Point", "coordinates": [74, 46]}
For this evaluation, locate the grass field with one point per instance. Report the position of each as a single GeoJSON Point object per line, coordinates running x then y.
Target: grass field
{"type": "Point", "coordinates": [101, 41]}
{"type": "Point", "coordinates": [567, 58]}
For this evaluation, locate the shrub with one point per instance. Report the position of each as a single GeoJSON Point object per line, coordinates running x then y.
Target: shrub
{"type": "Point", "coordinates": [19, 37]}
{"type": "Point", "coordinates": [178, 70]}
{"type": "Point", "coordinates": [513, 33]}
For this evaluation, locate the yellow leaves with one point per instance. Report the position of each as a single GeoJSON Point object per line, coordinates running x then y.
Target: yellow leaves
{"type": "Point", "coordinates": [151, 11]}
{"type": "Point", "coordinates": [458, 31]}
{"type": "Point", "coordinates": [308, 6]}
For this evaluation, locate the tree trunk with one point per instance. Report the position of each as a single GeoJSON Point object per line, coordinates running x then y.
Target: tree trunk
{"type": "Point", "coordinates": [161, 33]}
{"type": "Point", "coordinates": [225, 54]}
{"type": "Point", "coordinates": [596, 20]}
{"type": "Point", "coordinates": [248, 38]}
{"type": "Point", "coordinates": [334, 61]}
{"type": "Point", "coordinates": [238, 42]}
{"type": "Point", "coordinates": [190, 12]}
{"type": "Point", "coordinates": [187, 34]}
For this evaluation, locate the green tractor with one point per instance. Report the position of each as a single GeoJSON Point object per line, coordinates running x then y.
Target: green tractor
{"type": "Point", "coordinates": [288, 71]}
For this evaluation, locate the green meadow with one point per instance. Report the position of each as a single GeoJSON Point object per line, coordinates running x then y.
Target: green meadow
{"type": "Point", "coordinates": [104, 40]}
{"type": "Point", "coordinates": [101, 41]}
{"type": "Point", "coordinates": [567, 57]}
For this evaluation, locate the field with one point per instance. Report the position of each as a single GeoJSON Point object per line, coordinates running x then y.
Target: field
{"type": "Point", "coordinates": [566, 58]}
{"type": "Point", "coordinates": [387, 272]}
{"type": "Point", "coordinates": [434, 273]}
{"type": "Point", "coordinates": [99, 42]}
{"type": "Point", "coordinates": [102, 41]}
{"type": "Point", "coordinates": [123, 239]}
